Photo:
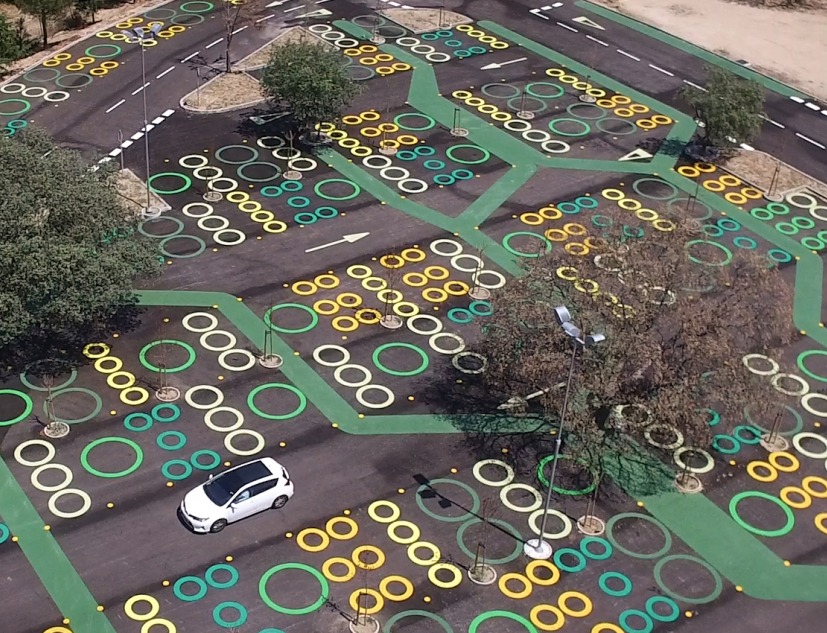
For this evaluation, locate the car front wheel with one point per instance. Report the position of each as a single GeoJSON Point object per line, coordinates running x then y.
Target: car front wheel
{"type": "Point", "coordinates": [279, 502]}
{"type": "Point", "coordinates": [218, 525]}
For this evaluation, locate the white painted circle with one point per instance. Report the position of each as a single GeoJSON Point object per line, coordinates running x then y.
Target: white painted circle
{"type": "Point", "coordinates": [223, 223]}
{"type": "Point", "coordinates": [239, 419]}
{"type": "Point", "coordinates": [563, 533]}
{"type": "Point", "coordinates": [422, 49]}
{"type": "Point", "coordinates": [34, 92]}
{"type": "Point", "coordinates": [813, 213]}
{"type": "Point", "coordinates": [432, 341]}
{"type": "Point", "coordinates": [366, 375]}
{"type": "Point", "coordinates": [260, 142]}
{"type": "Point", "coordinates": [494, 483]}
{"type": "Point", "coordinates": [219, 396]}
{"type": "Point", "coordinates": [333, 36]}
{"type": "Point", "coordinates": [384, 160]}
{"type": "Point", "coordinates": [805, 402]}
{"type": "Point", "coordinates": [319, 28]}
{"type": "Point", "coordinates": [405, 185]}
{"type": "Point", "coordinates": [200, 161]}
{"type": "Point", "coordinates": [18, 453]}
{"type": "Point", "coordinates": [795, 197]}
{"type": "Point", "coordinates": [200, 315]}
{"type": "Point", "coordinates": [360, 396]}
{"type": "Point", "coordinates": [187, 209]}
{"type": "Point", "coordinates": [538, 499]}
{"type": "Point", "coordinates": [774, 367]}
{"type": "Point", "coordinates": [231, 340]}
{"type": "Point", "coordinates": [347, 42]}
{"type": "Point", "coordinates": [492, 286]}
{"type": "Point", "coordinates": [477, 262]}
{"type": "Point", "coordinates": [51, 97]}
{"type": "Point", "coordinates": [678, 457]}
{"type": "Point", "coordinates": [562, 146]}
{"type": "Point", "coordinates": [407, 41]}
{"type": "Point", "coordinates": [67, 477]}
{"type": "Point", "coordinates": [87, 503]}
{"type": "Point", "coordinates": [517, 125]}
{"type": "Point", "coordinates": [211, 184]}
{"type": "Point", "coordinates": [214, 172]}
{"type": "Point", "coordinates": [647, 433]}
{"type": "Point", "coordinates": [222, 359]}
{"type": "Point", "coordinates": [286, 153]}
{"type": "Point", "coordinates": [317, 355]}
{"type": "Point", "coordinates": [544, 136]}
{"type": "Point", "coordinates": [804, 386]}
{"type": "Point", "coordinates": [437, 57]}
{"type": "Point", "coordinates": [385, 171]}
{"type": "Point", "coordinates": [220, 240]}
{"type": "Point", "coordinates": [17, 88]}
{"type": "Point", "coordinates": [424, 317]}
{"type": "Point", "coordinates": [294, 162]}
{"type": "Point", "coordinates": [228, 442]}
{"type": "Point", "coordinates": [457, 247]}
{"type": "Point", "coordinates": [455, 361]}
{"type": "Point", "coordinates": [797, 440]}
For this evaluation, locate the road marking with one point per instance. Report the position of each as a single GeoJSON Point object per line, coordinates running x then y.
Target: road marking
{"type": "Point", "coordinates": [809, 140]}
{"type": "Point", "coordinates": [812, 106]}
{"type": "Point", "coordinates": [116, 105]}
{"type": "Point", "coordinates": [189, 57]}
{"type": "Point", "coordinates": [321, 1]}
{"type": "Point", "coordinates": [266, 17]}
{"type": "Point", "coordinates": [749, 148]}
{"type": "Point", "coordinates": [168, 70]}
{"type": "Point", "coordinates": [797, 99]}
{"type": "Point", "coordinates": [126, 144]}
{"type": "Point", "coordinates": [629, 55]}
{"type": "Point", "coordinates": [134, 92]}
{"type": "Point", "coordinates": [148, 128]}
{"type": "Point", "coordinates": [689, 83]}
{"type": "Point", "coordinates": [167, 113]}
{"type": "Point", "coordinates": [776, 123]}
{"type": "Point", "coordinates": [277, 3]}
{"type": "Point", "coordinates": [136, 136]}
{"type": "Point", "coordinates": [158, 120]}
{"type": "Point", "coordinates": [238, 30]}
{"type": "Point", "coordinates": [349, 239]}
{"type": "Point", "coordinates": [594, 39]}
{"type": "Point", "coordinates": [218, 41]}
{"type": "Point", "coordinates": [115, 152]}
{"type": "Point", "coordinates": [538, 14]}
{"type": "Point", "coordinates": [824, 112]}
{"type": "Point", "coordinates": [587, 22]}
{"type": "Point", "coordinates": [661, 70]}
{"type": "Point", "coordinates": [494, 66]}
{"type": "Point", "coordinates": [294, 9]}
{"type": "Point", "coordinates": [566, 26]}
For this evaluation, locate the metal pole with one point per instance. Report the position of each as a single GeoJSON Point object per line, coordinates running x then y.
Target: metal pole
{"type": "Point", "coordinates": [146, 121]}
{"type": "Point", "coordinates": [120, 143]}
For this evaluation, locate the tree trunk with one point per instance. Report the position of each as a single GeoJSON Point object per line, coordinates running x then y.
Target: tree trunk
{"type": "Point", "coordinates": [44, 18]}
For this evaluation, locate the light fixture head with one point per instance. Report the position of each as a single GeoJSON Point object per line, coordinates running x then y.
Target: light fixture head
{"type": "Point", "coordinates": [562, 314]}
{"type": "Point", "coordinates": [594, 339]}
{"type": "Point", "coordinates": [571, 330]}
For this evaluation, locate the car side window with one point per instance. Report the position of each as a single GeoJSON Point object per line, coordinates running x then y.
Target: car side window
{"type": "Point", "coordinates": [264, 486]}
{"type": "Point", "coordinates": [243, 496]}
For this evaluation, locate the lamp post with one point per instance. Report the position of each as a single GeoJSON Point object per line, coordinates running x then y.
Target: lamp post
{"type": "Point", "coordinates": [538, 548]}
{"type": "Point", "coordinates": [140, 36]}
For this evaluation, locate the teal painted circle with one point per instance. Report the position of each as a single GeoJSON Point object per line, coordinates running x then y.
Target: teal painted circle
{"type": "Point", "coordinates": [489, 90]}
{"type": "Point", "coordinates": [445, 33]}
{"type": "Point", "coordinates": [271, 191]}
{"type": "Point", "coordinates": [215, 459]}
{"type": "Point", "coordinates": [453, 43]}
{"type": "Point", "coordinates": [742, 241]}
{"type": "Point", "coordinates": [603, 583]}
{"type": "Point", "coordinates": [524, 104]}
{"type": "Point", "coordinates": [602, 221]}
{"type": "Point", "coordinates": [719, 444]}
{"type": "Point", "coordinates": [444, 179]}
{"type": "Point", "coordinates": [218, 614]}
{"type": "Point", "coordinates": [326, 213]}
{"type": "Point", "coordinates": [169, 370]}
{"type": "Point", "coordinates": [586, 202]}
{"type": "Point", "coordinates": [568, 551]}
{"type": "Point", "coordinates": [603, 126]}
{"type": "Point", "coordinates": [253, 154]}
{"type": "Point", "coordinates": [112, 50]}
{"type": "Point", "coordinates": [688, 206]}
{"type": "Point", "coordinates": [813, 243]}
{"type": "Point", "coordinates": [587, 107]}
{"type": "Point", "coordinates": [434, 165]}
{"type": "Point", "coordinates": [162, 246]}
{"type": "Point", "coordinates": [779, 256]}
{"type": "Point", "coordinates": [585, 128]}
{"type": "Point", "coordinates": [172, 417]}
{"type": "Point", "coordinates": [604, 554]}
{"type": "Point", "coordinates": [541, 475]}
{"type": "Point", "coordinates": [265, 597]}
{"type": "Point", "coordinates": [180, 440]}
{"type": "Point", "coordinates": [84, 457]}
{"type": "Point", "coordinates": [667, 535]}
{"type": "Point", "coordinates": [799, 421]}
{"type": "Point", "coordinates": [712, 230]}
{"type": "Point", "coordinates": [786, 228]}
{"type": "Point", "coordinates": [488, 615]}
{"type": "Point", "coordinates": [406, 154]}
{"type": "Point", "coordinates": [808, 372]}
{"type": "Point", "coordinates": [28, 405]}
{"type": "Point", "coordinates": [481, 308]}
{"type": "Point", "coordinates": [409, 614]}
{"type": "Point", "coordinates": [305, 217]}
{"type": "Point", "coordinates": [673, 189]}
{"type": "Point", "coordinates": [674, 609]}
{"type": "Point", "coordinates": [4, 533]}
{"type": "Point", "coordinates": [635, 232]}
{"type": "Point", "coordinates": [477, 50]}
{"type": "Point", "coordinates": [759, 213]}
{"type": "Point", "coordinates": [475, 505]}
{"type": "Point", "coordinates": [276, 385]}
{"type": "Point", "coordinates": [209, 576]}
{"type": "Point", "coordinates": [406, 116]}
{"type": "Point", "coordinates": [538, 89]}
{"type": "Point", "coordinates": [314, 318]}
{"type": "Point", "coordinates": [423, 359]}
{"type": "Point", "coordinates": [356, 189]}
{"type": "Point", "coordinates": [203, 7]}
{"type": "Point", "coordinates": [753, 437]}
{"type": "Point", "coordinates": [424, 150]}
{"type": "Point", "coordinates": [240, 171]}
{"type": "Point", "coordinates": [178, 224]}
{"type": "Point", "coordinates": [131, 426]}
{"type": "Point", "coordinates": [193, 597]}
{"type": "Point", "coordinates": [166, 469]}
{"type": "Point", "coordinates": [298, 202]}
{"type": "Point", "coordinates": [61, 81]}
{"type": "Point", "coordinates": [429, 36]}
{"type": "Point", "coordinates": [97, 408]}
{"type": "Point", "coordinates": [30, 76]}
{"type": "Point", "coordinates": [449, 152]}
{"type": "Point", "coordinates": [25, 108]}
{"type": "Point", "coordinates": [569, 208]}
{"type": "Point", "coordinates": [822, 235]}
{"type": "Point", "coordinates": [716, 591]}
{"type": "Point", "coordinates": [160, 14]}
{"type": "Point", "coordinates": [803, 222]}
{"type": "Point", "coordinates": [778, 208]}
{"type": "Point", "coordinates": [170, 174]}
{"type": "Point", "coordinates": [545, 244]}
{"type": "Point", "coordinates": [728, 224]}
{"type": "Point", "coordinates": [748, 494]}
{"type": "Point", "coordinates": [460, 316]}
{"type": "Point", "coordinates": [17, 124]}
{"type": "Point", "coordinates": [727, 253]}
{"type": "Point", "coordinates": [648, 624]}
{"type": "Point", "coordinates": [462, 174]}
{"type": "Point", "coordinates": [714, 417]}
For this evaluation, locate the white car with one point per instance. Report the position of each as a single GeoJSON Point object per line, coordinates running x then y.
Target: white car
{"type": "Point", "coordinates": [236, 494]}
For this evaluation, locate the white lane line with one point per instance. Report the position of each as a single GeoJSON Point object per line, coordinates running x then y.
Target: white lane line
{"type": "Point", "coordinates": [266, 17]}
{"type": "Point", "coordinates": [115, 152]}
{"type": "Point", "coordinates": [158, 120]}
{"type": "Point", "coordinates": [797, 99]}
{"type": "Point", "coordinates": [594, 39]}
{"type": "Point", "coordinates": [126, 144]}
{"type": "Point", "coordinates": [629, 55]}
{"type": "Point", "coordinates": [824, 112]}
{"type": "Point", "coordinates": [238, 30]}
{"type": "Point", "coordinates": [566, 26]}
{"type": "Point", "coordinates": [136, 136]}
{"type": "Point", "coordinates": [167, 113]}
{"type": "Point", "coordinates": [122, 101]}
{"type": "Point", "coordinates": [168, 70]}
{"type": "Point", "coordinates": [538, 14]}
{"type": "Point", "coordinates": [809, 140]}
{"type": "Point", "coordinates": [749, 148]}
{"type": "Point", "coordinates": [189, 57]}
{"type": "Point", "coordinates": [776, 124]}
{"type": "Point", "coordinates": [147, 128]}
{"type": "Point", "coordinates": [812, 106]}
{"type": "Point", "coordinates": [321, 1]}
{"type": "Point", "coordinates": [218, 41]}
{"type": "Point", "coordinates": [294, 9]}
{"type": "Point", "coordinates": [661, 70]}
{"type": "Point", "coordinates": [689, 83]}
{"type": "Point", "coordinates": [134, 92]}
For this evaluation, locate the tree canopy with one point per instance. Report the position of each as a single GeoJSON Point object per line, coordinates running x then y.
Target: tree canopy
{"type": "Point", "coordinates": [729, 108]}
{"type": "Point", "coordinates": [14, 43]}
{"type": "Point", "coordinates": [310, 81]}
{"type": "Point", "coordinates": [44, 10]}
{"type": "Point", "coordinates": [69, 256]}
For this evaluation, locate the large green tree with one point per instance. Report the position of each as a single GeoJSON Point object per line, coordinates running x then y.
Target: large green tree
{"type": "Point", "coordinates": [14, 43]}
{"type": "Point", "coordinates": [69, 256]}
{"type": "Point", "coordinates": [310, 81]}
{"type": "Point", "coordinates": [44, 10]}
{"type": "Point", "coordinates": [729, 108]}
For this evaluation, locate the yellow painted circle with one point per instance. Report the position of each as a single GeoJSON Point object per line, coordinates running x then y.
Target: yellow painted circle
{"type": "Point", "coordinates": [752, 471]}
{"type": "Point", "coordinates": [350, 574]}
{"type": "Point", "coordinates": [575, 229]}
{"type": "Point", "coordinates": [442, 584]}
{"type": "Point", "coordinates": [85, 60]}
{"type": "Point", "coordinates": [368, 61]}
{"type": "Point", "coordinates": [326, 281]}
{"type": "Point", "coordinates": [356, 557]}
{"type": "Point", "coordinates": [596, 92]}
{"type": "Point", "coordinates": [105, 34]}
{"type": "Point", "coordinates": [117, 364]}
{"type": "Point", "coordinates": [464, 27]}
{"type": "Point", "coordinates": [355, 600]}
{"type": "Point", "coordinates": [569, 79]}
{"type": "Point", "coordinates": [558, 624]}
{"type": "Point", "coordinates": [395, 511]}
{"type": "Point", "coordinates": [646, 124]}
{"type": "Point", "coordinates": [664, 225]}
{"type": "Point", "coordinates": [736, 198]}
{"type": "Point", "coordinates": [418, 560]}
{"type": "Point", "coordinates": [689, 171]}
{"type": "Point", "coordinates": [238, 196]}
{"type": "Point", "coordinates": [532, 219]}
{"type": "Point", "coordinates": [605, 103]}
{"type": "Point", "coordinates": [129, 607]}
{"type": "Point", "coordinates": [274, 226]}
{"type": "Point", "coordinates": [416, 280]}
{"type": "Point", "coordinates": [607, 627]}
{"type": "Point", "coordinates": [349, 143]}
{"type": "Point", "coordinates": [361, 151]}
{"type": "Point", "coordinates": [621, 100]}
{"type": "Point", "coordinates": [97, 72]}
{"type": "Point", "coordinates": [577, 249]}
{"type": "Point", "coordinates": [351, 52]}
{"type": "Point", "coordinates": [821, 522]}
{"type": "Point", "coordinates": [501, 116]}
{"type": "Point", "coordinates": [326, 307]}
{"type": "Point", "coordinates": [435, 295]}
{"type": "Point", "coordinates": [488, 108]}
{"type": "Point", "coordinates": [567, 272]}
{"type": "Point", "coordinates": [389, 142]}
{"type": "Point", "coordinates": [582, 612]}
{"type": "Point", "coordinates": [266, 217]}
{"type": "Point", "coordinates": [752, 193]}
{"type": "Point", "coordinates": [338, 324]}
{"type": "Point", "coordinates": [625, 113]}
{"type": "Point", "coordinates": [337, 135]}
{"type": "Point", "coordinates": [403, 540]}
{"type": "Point", "coordinates": [368, 48]}
{"type": "Point", "coordinates": [581, 85]}
{"type": "Point", "coordinates": [714, 185]}
{"type": "Point", "coordinates": [588, 286]}
{"type": "Point", "coordinates": [301, 539]}
{"type": "Point", "coordinates": [556, 235]}
{"type": "Point", "coordinates": [456, 288]}
{"type": "Point", "coordinates": [388, 127]}
{"type": "Point", "coordinates": [729, 180]}
{"type": "Point", "coordinates": [407, 588]}
{"type": "Point", "coordinates": [630, 204]}
{"type": "Point", "coordinates": [374, 284]}
{"type": "Point", "coordinates": [389, 295]}
{"type": "Point", "coordinates": [392, 261]}
{"type": "Point", "coordinates": [595, 242]}
{"type": "Point", "coordinates": [792, 464]}
{"type": "Point", "coordinates": [63, 56]}
{"type": "Point", "coordinates": [613, 194]}
{"type": "Point", "coordinates": [349, 300]}
{"type": "Point", "coordinates": [400, 66]}
{"type": "Point", "coordinates": [531, 573]}
{"type": "Point", "coordinates": [639, 108]}
{"type": "Point", "coordinates": [647, 215]}
{"type": "Point", "coordinates": [368, 316]}
{"type": "Point", "coordinates": [249, 206]}
{"type": "Point", "coordinates": [515, 595]}
{"type": "Point", "coordinates": [787, 492]}
{"type": "Point", "coordinates": [499, 45]}
{"type": "Point", "coordinates": [351, 119]}
{"type": "Point", "coordinates": [304, 288]}
{"type": "Point", "coordinates": [384, 70]}
{"type": "Point", "coordinates": [370, 132]}
{"type": "Point", "coordinates": [49, 63]}
{"type": "Point", "coordinates": [550, 213]}
{"type": "Point", "coordinates": [705, 168]}
{"type": "Point", "coordinates": [661, 119]}
{"type": "Point", "coordinates": [113, 380]}
{"type": "Point", "coordinates": [74, 66]}
{"type": "Point", "coordinates": [405, 308]}
{"type": "Point", "coordinates": [384, 57]}
{"type": "Point", "coordinates": [807, 484]}
{"type": "Point", "coordinates": [353, 528]}
{"type": "Point", "coordinates": [359, 271]}
{"type": "Point", "coordinates": [149, 626]}
{"type": "Point", "coordinates": [407, 139]}
{"type": "Point", "coordinates": [437, 273]}
{"type": "Point", "coordinates": [57, 629]}
{"type": "Point", "coordinates": [143, 396]}
{"type": "Point", "coordinates": [413, 255]}
{"type": "Point", "coordinates": [370, 115]}
{"type": "Point", "coordinates": [474, 101]}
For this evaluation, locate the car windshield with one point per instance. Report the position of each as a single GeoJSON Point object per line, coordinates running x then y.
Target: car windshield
{"type": "Point", "coordinates": [224, 487]}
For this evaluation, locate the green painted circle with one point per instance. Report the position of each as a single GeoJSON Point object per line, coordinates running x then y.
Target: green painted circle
{"type": "Point", "coordinates": [607, 552]}
{"type": "Point", "coordinates": [521, 104]}
{"type": "Point", "coordinates": [240, 171]}
{"type": "Point", "coordinates": [753, 438]}
{"type": "Point", "coordinates": [669, 196]}
{"type": "Point", "coordinates": [356, 189]}
{"type": "Point", "coordinates": [779, 255]}
{"type": "Point", "coordinates": [314, 318]}
{"type": "Point", "coordinates": [305, 218]}
{"type": "Point", "coordinates": [413, 613]}
{"type": "Point", "coordinates": [461, 316]}
{"type": "Point", "coordinates": [602, 126]}
{"type": "Point", "coordinates": [431, 122]}
{"type": "Point", "coordinates": [475, 506]}
{"type": "Point", "coordinates": [180, 443]}
{"type": "Point", "coordinates": [586, 128]}
{"type": "Point", "coordinates": [603, 583]}
{"type": "Point", "coordinates": [156, 412]}
{"type": "Point", "coordinates": [648, 624]}
{"type": "Point", "coordinates": [787, 228]}
{"type": "Point", "coordinates": [228, 624]}
{"type": "Point", "coordinates": [778, 208]}
{"type": "Point", "coordinates": [729, 450]}
{"type": "Point", "coordinates": [167, 341]}
{"type": "Point", "coordinates": [742, 241]}
{"type": "Point", "coordinates": [162, 246]}
{"type": "Point", "coordinates": [813, 243]}
{"type": "Point", "coordinates": [759, 213]}
{"type": "Point", "coordinates": [215, 457]}
{"type": "Point", "coordinates": [806, 354]}
{"type": "Point", "coordinates": [276, 385]}
{"type": "Point", "coordinates": [675, 610]}
{"type": "Point", "coordinates": [799, 421]}
{"type": "Point", "coordinates": [27, 409]}
{"type": "Point", "coordinates": [667, 536]}
{"type": "Point", "coordinates": [489, 90]}
{"type": "Point", "coordinates": [187, 183]}
{"type": "Point", "coordinates": [481, 308]}
{"type": "Point", "coordinates": [85, 418]}
{"type": "Point", "coordinates": [298, 202]}
{"type": "Point", "coordinates": [271, 191]}
{"type": "Point", "coordinates": [108, 47]}
{"type": "Point", "coordinates": [326, 213]}
{"type": "Point", "coordinates": [802, 222]}
{"type": "Point", "coordinates": [127, 422]}
{"type": "Point", "coordinates": [558, 90]}
{"type": "Point", "coordinates": [488, 615]}
{"type": "Point", "coordinates": [453, 148]}
{"type": "Point", "coordinates": [84, 457]}
{"type": "Point", "coordinates": [733, 511]}
{"type": "Point", "coordinates": [581, 560]}
{"type": "Point", "coordinates": [507, 244]}
{"type": "Point", "coordinates": [719, 585]}
{"type": "Point", "coordinates": [724, 249]}
{"type": "Point", "coordinates": [73, 87]}
{"type": "Point", "coordinates": [26, 107]}
{"type": "Point", "coordinates": [212, 582]}
{"type": "Point", "coordinates": [247, 148]}
{"type": "Point", "coordinates": [4, 533]}
{"type": "Point", "coordinates": [393, 372]}
{"type": "Point", "coordinates": [207, 6]}
{"type": "Point", "coordinates": [572, 108]}
{"type": "Point", "coordinates": [202, 588]}
{"type": "Point", "coordinates": [541, 475]}
{"type": "Point", "coordinates": [165, 469]}
{"type": "Point", "coordinates": [178, 223]}
{"type": "Point", "coordinates": [262, 589]}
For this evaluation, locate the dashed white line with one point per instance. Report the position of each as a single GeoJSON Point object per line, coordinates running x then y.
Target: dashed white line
{"type": "Point", "coordinates": [538, 14]}
{"type": "Point", "coordinates": [824, 112]}
{"type": "Point", "coordinates": [115, 151]}
{"type": "Point", "coordinates": [134, 92]}
{"type": "Point", "coordinates": [797, 99]}
{"type": "Point", "coordinates": [293, 9]}
{"type": "Point", "coordinates": [218, 41]}
{"type": "Point", "coordinates": [238, 30]}
{"type": "Point", "coordinates": [167, 113]}
{"type": "Point", "coordinates": [189, 57]}
{"type": "Point", "coordinates": [158, 120]}
{"type": "Point", "coordinates": [266, 17]}
{"type": "Point", "coordinates": [567, 27]}
{"type": "Point", "coordinates": [809, 140]}
{"type": "Point", "coordinates": [136, 136]}
{"type": "Point", "coordinates": [122, 101]}
{"type": "Point", "coordinates": [321, 1]}
{"type": "Point", "coordinates": [776, 124]}
{"type": "Point", "coordinates": [594, 39]}
{"type": "Point", "coordinates": [126, 144]}
{"type": "Point", "coordinates": [812, 106]}
{"type": "Point", "coordinates": [661, 70]}
{"type": "Point", "coordinates": [168, 70]}
{"type": "Point", "coordinates": [629, 55]}
{"type": "Point", "coordinates": [689, 83]}
{"type": "Point", "coordinates": [749, 148]}
{"type": "Point", "coordinates": [147, 128]}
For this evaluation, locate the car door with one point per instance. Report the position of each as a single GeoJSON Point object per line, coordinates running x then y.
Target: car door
{"type": "Point", "coordinates": [252, 499]}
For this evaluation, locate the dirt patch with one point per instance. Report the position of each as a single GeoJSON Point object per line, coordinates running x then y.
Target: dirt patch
{"type": "Point", "coordinates": [294, 35]}
{"type": "Point", "coordinates": [424, 20]}
{"type": "Point", "coordinates": [132, 192]}
{"type": "Point", "coordinates": [759, 168]}
{"type": "Point", "coordinates": [225, 92]}
{"type": "Point", "coordinates": [784, 43]}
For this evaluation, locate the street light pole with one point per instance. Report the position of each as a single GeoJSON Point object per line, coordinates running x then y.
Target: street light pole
{"type": "Point", "coordinates": [538, 548]}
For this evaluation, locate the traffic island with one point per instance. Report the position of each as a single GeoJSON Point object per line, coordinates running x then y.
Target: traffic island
{"type": "Point", "coordinates": [423, 20]}
{"type": "Point", "coordinates": [226, 92]}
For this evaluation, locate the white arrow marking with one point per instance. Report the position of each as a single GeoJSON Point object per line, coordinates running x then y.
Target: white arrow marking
{"type": "Point", "coordinates": [494, 66]}
{"type": "Point", "coordinates": [538, 14]}
{"type": "Point", "coordinates": [587, 22]}
{"type": "Point", "coordinates": [277, 3]}
{"type": "Point", "coordinates": [638, 154]}
{"type": "Point", "coordinates": [349, 239]}
{"type": "Point", "coordinates": [517, 401]}
{"type": "Point", "coordinates": [313, 14]}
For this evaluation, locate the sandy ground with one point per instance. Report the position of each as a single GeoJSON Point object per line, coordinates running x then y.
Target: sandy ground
{"type": "Point", "coordinates": [133, 192]}
{"type": "Point", "coordinates": [295, 34]}
{"type": "Point", "coordinates": [424, 20]}
{"type": "Point", "coordinates": [226, 91]}
{"type": "Point", "coordinates": [758, 169]}
{"type": "Point", "coordinates": [786, 44]}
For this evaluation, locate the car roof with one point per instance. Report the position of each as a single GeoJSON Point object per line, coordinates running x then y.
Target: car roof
{"type": "Point", "coordinates": [255, 470]}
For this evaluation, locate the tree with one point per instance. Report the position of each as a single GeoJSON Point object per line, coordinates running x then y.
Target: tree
{"type": "Point", "coordinates": [44, 10]}
{"type": "Point", "coordinates": [729, 108]}
{"type": "Point", "coordinates": [309, 80]}
{"type": "Point", "coordinates": [232, 13]}
{"type": "Point", "coordinates": [676, 331]}
{"type": "Point", "coordinates": [89, 7]}
{"type": "Point", "coordinates": [14, 44]}
{"type": "Point", "coordinates": [69, 256]}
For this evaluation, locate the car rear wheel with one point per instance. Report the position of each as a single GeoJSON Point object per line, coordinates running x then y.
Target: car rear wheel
{"type": "Point", "coordinates": [279, 502]}
{"type": "Point", "coordinates": [218, 525]}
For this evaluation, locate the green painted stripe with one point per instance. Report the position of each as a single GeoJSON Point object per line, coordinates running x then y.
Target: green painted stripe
{"type": "Point", "coordinates": [701, 53]}
{"type": "Point", "coordinates": [59, 577]}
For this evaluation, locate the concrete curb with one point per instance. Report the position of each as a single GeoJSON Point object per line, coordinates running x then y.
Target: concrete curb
{"type": "Point", "coordinates": [196, 110]}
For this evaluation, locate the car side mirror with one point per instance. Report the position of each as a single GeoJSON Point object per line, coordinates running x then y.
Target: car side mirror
{"type": "Point", "coordinates": [211, 476]}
